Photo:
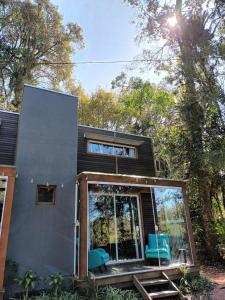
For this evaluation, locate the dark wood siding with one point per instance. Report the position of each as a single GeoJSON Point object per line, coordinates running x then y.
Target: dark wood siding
{"type": "Point", "coordinates": [8, 137]}
{"type": "Point", "coordinates": [147, 214]}
{"type": "Point", "coordinates": [142, 166]}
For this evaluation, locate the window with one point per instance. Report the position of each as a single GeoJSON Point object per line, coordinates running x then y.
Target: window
{"type": "Point", "coordinates": [162, 168]}
{"type": "Point", "coordinates": [112, 149]}
{"type": "Point", "coordinates": [46, 194]}
{"type": "Point", "coordinates": [3, 185]}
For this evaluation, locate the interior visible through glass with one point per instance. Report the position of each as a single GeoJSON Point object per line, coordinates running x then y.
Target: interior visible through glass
{"type": "Point", "coordinates": [170, 224]}
{"type": "Point", "coordinates": [138, 224]}
{"type": "Point", "coordinates": [117, 150]}
{"type": "Point", "coordinates": [114, 222]}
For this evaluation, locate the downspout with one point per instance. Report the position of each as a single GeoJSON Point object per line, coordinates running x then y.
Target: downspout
{"type": "Point", "coordinates": [76, 255]}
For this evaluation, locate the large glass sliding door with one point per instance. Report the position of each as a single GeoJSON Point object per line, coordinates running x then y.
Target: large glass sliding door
{"type": "Point", "coordinates": [170, 225]}
{"type": "Point", "coordinates": [128, 228]}
{"type": "Point", "coordinates": [114, 223]}
{"type": "Point", "coordinates": [102, 230]}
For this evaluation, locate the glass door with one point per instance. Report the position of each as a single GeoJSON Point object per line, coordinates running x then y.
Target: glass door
{"type": "Point", "coordinates": [114, 225]}
{"type": "Point", "coordinates": [102, 227]}
{"type": "Point", "coordinates": [171, 231]}
{"type": "Point", "coordinates": [129, 245]}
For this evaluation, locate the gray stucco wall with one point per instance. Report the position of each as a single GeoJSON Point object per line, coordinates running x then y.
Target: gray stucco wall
{"type": "Point", "coordinates": [41, 236]}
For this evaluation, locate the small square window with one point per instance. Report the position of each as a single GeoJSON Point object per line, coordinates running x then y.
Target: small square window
{"type": "Point", "coordinates": [46, 194]}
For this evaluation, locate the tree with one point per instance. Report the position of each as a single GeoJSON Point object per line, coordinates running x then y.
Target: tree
{"type": "Point", "coordinates": [192, 35]}
{"type": "Point", "coordinates": [147, 109]}
{"type": "Point", "coordinates": [32, 34]}
{"type": "Point", "coordinates": [102, 110]}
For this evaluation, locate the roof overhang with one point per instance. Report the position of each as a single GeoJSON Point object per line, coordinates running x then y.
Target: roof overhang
{"type": "Point", "coordinates": [129, 179]}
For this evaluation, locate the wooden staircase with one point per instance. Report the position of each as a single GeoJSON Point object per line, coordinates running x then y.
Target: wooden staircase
{"type": "Point", "coordinates": [160, 288]}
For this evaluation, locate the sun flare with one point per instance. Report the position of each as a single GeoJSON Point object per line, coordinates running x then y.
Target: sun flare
{"type": "Point", "coordinates": [172, 21]}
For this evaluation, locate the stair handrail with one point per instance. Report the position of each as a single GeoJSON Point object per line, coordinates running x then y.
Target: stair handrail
{"type": "Point", "coordinates": [174, 285]}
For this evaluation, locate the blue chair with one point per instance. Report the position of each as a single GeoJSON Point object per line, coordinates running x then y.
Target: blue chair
{"type": "Point", "coordinates": [158, 249]}
{"type": "Point", "coordinates": [97, 257]}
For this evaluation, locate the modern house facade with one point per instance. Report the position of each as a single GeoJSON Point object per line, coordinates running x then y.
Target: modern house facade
{"type": "Point", "coordinates": [78, 200]}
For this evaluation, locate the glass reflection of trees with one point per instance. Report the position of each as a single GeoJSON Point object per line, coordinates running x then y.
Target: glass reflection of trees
{"type": "Point", "coordinates": [114, 220]}
{"type": "Point", "coordinates": [102, 224]}
{"type": "Point", "coordinates": [128, 230]}
{"type": "Point", "coordinates": [170, 218]}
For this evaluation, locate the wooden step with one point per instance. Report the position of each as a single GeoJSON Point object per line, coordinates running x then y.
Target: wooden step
{"type": "Point", "coordinates": [163, 294]}
{"type": "Point", "coordinates": [154, 282]}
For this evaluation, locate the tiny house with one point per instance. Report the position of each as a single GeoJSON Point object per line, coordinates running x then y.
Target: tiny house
{"type": "Point", "coordinates": [81, 200]}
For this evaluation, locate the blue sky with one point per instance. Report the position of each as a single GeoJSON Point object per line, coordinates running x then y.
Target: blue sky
{"type": "Point", "coordinates": [108, 34]}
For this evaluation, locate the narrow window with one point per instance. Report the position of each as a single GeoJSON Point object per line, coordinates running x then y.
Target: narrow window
{"type": "Point", "coordinates": [3, 185]}
{"type": "Point", "coordinates": [46, 194]}
{"type": "Point", "coordinates": [112, 149]}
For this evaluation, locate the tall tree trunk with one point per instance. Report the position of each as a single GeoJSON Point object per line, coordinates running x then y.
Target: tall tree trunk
{"type": "Point", "coordinates": [194, 118]}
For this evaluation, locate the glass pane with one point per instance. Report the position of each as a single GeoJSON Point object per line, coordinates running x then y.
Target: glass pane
{"type": "Point", "coordinates": [46, 194]}
{"type": "Point", "coordinates": [128, 228]}
{"type": "Point", "coordinates": [95, 148]}
{"type": "Point", "coordinates": [107, 149]}
{"type": "Point", "coordinates": [2, 196]}
{"type": "Point", "coordinates": [132, 152]}
{"type": "Point", "coordinates": [102, 223]}
{"type": "Point", "coordinates": [115, 222]}
{"type": "Point", "coordinates": [118, 151]}
{"type": "Point", "coordinates": [172, 232]}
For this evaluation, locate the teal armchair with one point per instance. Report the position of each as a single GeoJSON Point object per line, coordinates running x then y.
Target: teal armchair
{"type": "Point", "coordinates": [97, 258]}
{"type": "Point", "coordinates": [160, 249]}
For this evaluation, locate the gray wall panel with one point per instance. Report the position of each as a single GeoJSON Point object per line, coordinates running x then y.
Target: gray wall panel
{"type": "Point", "coordinates": [41, 236]}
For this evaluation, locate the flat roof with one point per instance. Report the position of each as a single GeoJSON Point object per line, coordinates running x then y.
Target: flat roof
{"type": "Point", "coordinates": [129, 179]}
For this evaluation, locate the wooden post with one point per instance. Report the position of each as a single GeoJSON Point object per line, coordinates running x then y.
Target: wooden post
{"type": "Point", "coordinates": [189, 227]}
{"type": "Point", "coordinates": [83, 265]}
{"type": "Point", "coordinates": [10, 172]}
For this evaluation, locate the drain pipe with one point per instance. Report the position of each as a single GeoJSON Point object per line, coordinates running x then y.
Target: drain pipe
{"type": "Point", "coordinates": [75, 259]}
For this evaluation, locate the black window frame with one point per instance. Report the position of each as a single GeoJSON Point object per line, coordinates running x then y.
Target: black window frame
{"type": "Point", "coordinates": [112, 145]}
{"type": "Point", "coordinates": [44, 186]}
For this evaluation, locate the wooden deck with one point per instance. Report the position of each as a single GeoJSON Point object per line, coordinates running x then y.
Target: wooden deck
{"type": "Point", "coordinates": [125, 278]}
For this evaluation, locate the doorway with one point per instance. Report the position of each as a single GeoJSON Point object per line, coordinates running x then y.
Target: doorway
{"type": "Point", "coordinates": [115, 226]}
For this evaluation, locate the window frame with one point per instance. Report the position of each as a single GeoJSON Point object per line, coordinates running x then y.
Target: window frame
{"type": "Point", "coordinates": [113, 145]}
{"type": "Point", "coordinates": [3, 178]}
{"type": "Point", "coordinates": [53, 202]}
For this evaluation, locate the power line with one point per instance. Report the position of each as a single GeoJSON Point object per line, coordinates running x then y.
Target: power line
{"type": "Point", "coordinates": [99, 61]}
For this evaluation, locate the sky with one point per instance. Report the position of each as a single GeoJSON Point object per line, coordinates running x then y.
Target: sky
{"type": "Point", "coordinates": [108, 35]}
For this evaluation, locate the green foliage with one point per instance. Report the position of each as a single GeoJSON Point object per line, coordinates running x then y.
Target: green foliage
{"type": "Point", "coordinates": [196, 45]}
{"type": "Point", "coordinates": [106, 293]}
{"type": "Point", "coordinates": [110, 293]}
{"type": "Point", "coordinates": [55, 281]}
{"type": "Point", "coordinates": [32, 33]}
{"type": "Point", "coordinates": [191, 283]}
{"type": "Point", "coordinates": [200, 284]}
{"type": "Point", "coordinates": [63, 296]}
{"type": "Point", "coordinates": [27, 282]}
{"type": "Point", "coordinates": [101, 109]}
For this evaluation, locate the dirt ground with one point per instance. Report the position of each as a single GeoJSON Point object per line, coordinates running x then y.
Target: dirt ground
{"type": "Point", "coordinates": [217, 277]}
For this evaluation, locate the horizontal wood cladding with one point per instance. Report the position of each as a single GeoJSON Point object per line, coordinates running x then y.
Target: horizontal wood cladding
{"type": "Point", "coordinates": [148, 217]}
{"type": "Point", "coordinates": [143, 165]}
{"type": "Point", "coordinates": [8, 137]}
